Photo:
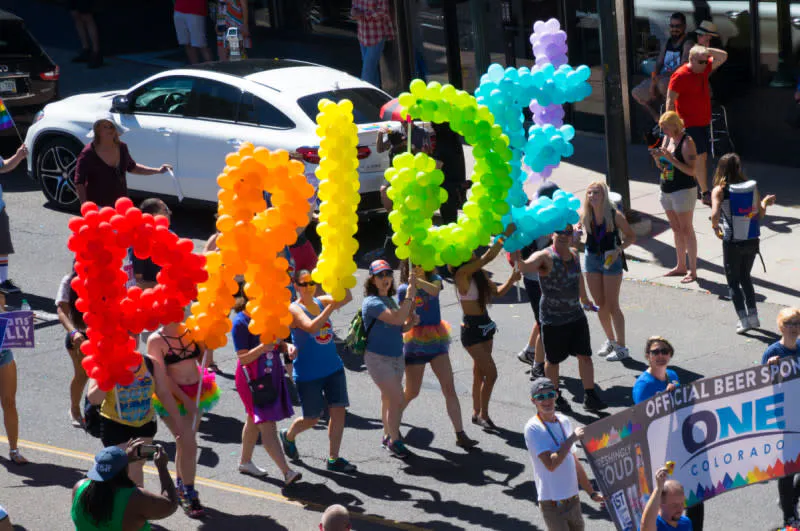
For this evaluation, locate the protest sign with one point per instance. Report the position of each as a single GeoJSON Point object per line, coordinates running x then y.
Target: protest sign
{"type": "Point", "coordinates": [16, 329]}
{"type": "Point", "coordinates": [723, 433]}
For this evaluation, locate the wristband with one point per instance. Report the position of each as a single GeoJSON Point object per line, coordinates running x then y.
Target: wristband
{"type": "Point", "coordinates": [500, 238]}
{"type": "Point", "coordinates": [73, 334]}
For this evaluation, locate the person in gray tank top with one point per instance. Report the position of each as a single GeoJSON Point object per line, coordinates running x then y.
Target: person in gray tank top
{"type": "Point", "coordinates": [564, 328]}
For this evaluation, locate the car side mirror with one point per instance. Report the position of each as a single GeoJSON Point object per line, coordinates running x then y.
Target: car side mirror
{"type": "Point", "coordinates": [120, 104]}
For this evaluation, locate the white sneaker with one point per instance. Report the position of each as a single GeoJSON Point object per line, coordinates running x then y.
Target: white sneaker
{"type": "Point", "coordinates": [606, 348]}
{"type": "Point", "coordinates": [753, 320]}
{"type": "Point", "coordinates": [743, 325]}
{"type": "Point", "coordinates": [619, 354]}
{"type": "Point", "coordinates": [525, 356]}
{"type": "Point", "coordinates": [251, 469]}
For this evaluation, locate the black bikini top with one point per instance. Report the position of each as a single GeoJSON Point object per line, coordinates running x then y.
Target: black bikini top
{"type": "Point", "coordinates": [184, 352]}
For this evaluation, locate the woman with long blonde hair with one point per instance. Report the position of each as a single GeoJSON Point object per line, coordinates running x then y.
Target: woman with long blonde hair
{"type": "Point", "coordinates": [675, 160]}
{"type": "Point", "coordinates": [603, 263]}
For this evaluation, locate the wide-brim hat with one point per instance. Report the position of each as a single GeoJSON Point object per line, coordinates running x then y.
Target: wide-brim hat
{"type": "Point", "coordinates": [707, 28]}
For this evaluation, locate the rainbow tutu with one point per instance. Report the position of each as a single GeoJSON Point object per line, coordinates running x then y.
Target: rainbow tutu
{"type": "Point", "coordinates": [209, 395]}
{"type": "Point", "coordinates": [427, 340]}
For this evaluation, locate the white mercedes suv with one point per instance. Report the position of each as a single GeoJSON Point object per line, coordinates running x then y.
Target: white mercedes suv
{"type": "Point", "coordinates": [192, 117]}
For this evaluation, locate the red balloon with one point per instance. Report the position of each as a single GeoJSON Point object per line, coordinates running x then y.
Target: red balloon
{"type": "Point", "coordinates": [88, 207]}
{"type": "Point", "coordinates": [123, 204]}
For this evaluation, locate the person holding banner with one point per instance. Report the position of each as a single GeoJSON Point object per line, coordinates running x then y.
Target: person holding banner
{"type": "Point", "coordinates": [259, 368]}
{"type": "Point", "coordinates": [565, 329]}
{"type": "Point", "coordinates": [557, 471]}
{"type": "Point", "coordinates": [659, 379]}
{"type": "Point", "coordinates": [664, 509]}
{"type": "Point", "coordinates": [184, 392]}
{"type": "Point", "coordinates": [8, 398]}
{"type": "Point", "coordinates": [475, 292]}
{"type": "Point", "coordinates": [788, 346]}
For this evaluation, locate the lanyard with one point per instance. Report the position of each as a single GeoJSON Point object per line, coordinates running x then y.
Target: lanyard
{"type": "Point", "coordinates": [550, 432]}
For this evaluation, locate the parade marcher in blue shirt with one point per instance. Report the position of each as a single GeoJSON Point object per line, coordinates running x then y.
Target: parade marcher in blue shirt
{"type": "Point", "coordinates": [657, 378]}
{"type": "Point", "coordinates": [664, 510]}
{"type": "Point", "coordinates": [318, 370]}
{"type": "Point", "coordinates": [789, 345]}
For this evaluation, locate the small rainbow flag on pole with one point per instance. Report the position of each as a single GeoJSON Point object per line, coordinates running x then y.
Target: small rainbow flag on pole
{"type": "Point", "coordinates": [6, 122]}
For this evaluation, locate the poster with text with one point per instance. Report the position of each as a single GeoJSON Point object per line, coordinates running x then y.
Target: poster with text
{"type": "Point", "coordinates": [723, 433]}
{"type": "Point", "coordinates": [17, 329]}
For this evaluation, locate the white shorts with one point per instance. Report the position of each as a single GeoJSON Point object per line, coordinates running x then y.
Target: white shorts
{"type": "Point", "coordinates": [190, 29]}
{"type": "Point", "coordinates": [680, 201]}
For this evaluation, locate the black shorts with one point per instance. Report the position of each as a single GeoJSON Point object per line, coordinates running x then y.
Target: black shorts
{"type": "Point", "coordinates": [477, 329]}
{"type": "Point", "coordinates": [113, 433]}
{"type": "Point", "coordinates": [81, 6]}
{"type": "Point", "coordinates": [534, 295]}
{"type": "Point", "coordinates": [563, 341]}
{"type": "Point", "coordinates": [6, 246]}
{"type": "Point", "coordinates": [702, 137]}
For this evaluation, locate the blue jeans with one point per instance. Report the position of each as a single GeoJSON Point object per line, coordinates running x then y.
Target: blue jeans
{"type": "Point", "coordinates": [371, 63]}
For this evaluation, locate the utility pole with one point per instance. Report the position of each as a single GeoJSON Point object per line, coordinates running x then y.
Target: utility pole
{"type": "Point", "coordinates": [452, 47]}
{"type": "Point", "coordinates": [616, 141]}
{"type": "Point", "coordinates": [479, 13]}
{"type": "Point", "coordinates": [404, 57]}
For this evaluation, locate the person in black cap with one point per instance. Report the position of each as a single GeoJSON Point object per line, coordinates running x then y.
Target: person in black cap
{"type": "Point", "coordinates": [109, 498]}
{"type": "Point", "coordinates": [557, 471]}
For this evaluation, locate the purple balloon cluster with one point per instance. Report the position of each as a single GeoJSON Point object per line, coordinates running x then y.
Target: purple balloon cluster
{"type": "Point", "coordinates": [549, 44]}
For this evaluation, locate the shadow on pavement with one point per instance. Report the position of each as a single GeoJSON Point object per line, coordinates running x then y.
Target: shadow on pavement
{"type": "Point", "coordinates": [206, 456]}
{"type": "Point", "coordinates": [216, 519]}
{"type": "Point", "coordinates": [45, 474]}
{"type": "Point", "coordinates": [219, 429]}
{"type": "Point", "coordinates": [476, 517]}
{"type": "Point", "coordinates": [357, 422]}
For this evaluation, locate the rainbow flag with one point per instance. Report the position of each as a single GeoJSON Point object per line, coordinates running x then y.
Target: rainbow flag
{"type": "Point", "coordinates": [5, 117]}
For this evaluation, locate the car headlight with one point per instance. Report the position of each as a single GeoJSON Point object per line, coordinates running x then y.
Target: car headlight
{"type": "Point", "coordinates": [38, 116]}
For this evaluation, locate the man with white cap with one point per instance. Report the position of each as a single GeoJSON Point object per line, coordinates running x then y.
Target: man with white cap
{"type": "Point", "coordinates": [556, 469]}
{"type": "Point", "coordinates": [101, 168]}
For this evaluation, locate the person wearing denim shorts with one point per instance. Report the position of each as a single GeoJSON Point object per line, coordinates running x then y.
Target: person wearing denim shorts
{"type": "Point", "coordinates": [318, 371]}
{"type": "Point", "coordinates": [603, 264]}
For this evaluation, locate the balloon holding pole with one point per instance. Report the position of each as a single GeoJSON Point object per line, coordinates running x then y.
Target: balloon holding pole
{"type": "Point", "coordinates": [199, 390]}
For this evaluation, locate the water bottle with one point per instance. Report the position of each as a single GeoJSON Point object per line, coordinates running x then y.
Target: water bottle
{"type": "Point", "coordinates": [234, 49]}
{"type": "Point", "coordinates": [25, 306]}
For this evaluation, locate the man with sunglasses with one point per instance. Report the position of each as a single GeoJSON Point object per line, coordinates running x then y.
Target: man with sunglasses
{"type": "Point", "coordinates": [557, 471]}
{"type": "Point", "coordinates": [689, 94]}
{"type": "Point", "coordinates": [651, 92]}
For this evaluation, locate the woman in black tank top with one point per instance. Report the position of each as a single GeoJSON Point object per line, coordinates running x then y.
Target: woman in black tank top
{"type": "Point", "coordinates": [675, 160]}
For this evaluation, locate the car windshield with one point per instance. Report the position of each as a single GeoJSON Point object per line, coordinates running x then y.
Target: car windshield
{"type": "Point", "coordinates": [367, 103]}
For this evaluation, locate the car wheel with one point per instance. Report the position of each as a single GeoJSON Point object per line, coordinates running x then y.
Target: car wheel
{"type": "Point", "coordinates": [55, 168]}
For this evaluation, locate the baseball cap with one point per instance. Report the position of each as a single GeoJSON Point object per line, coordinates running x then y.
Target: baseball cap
{"type": "Point", "coordinates": [707, 28]}
{"type": "Point", "coordinates": [541, 384]}
{"type": "Point", "coordinates": [379, 265]}
{"type": "Point", "coordinates": [108, 463]}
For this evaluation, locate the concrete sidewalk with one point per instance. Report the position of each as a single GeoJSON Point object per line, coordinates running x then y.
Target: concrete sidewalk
{"type": "Point", "coordinates": [652, 256]}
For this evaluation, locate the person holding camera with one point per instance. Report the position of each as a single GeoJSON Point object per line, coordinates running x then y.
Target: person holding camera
{"type": "Point", "coordinates": [127, 413]}
{"type": "Point", "coordinates": [109, 499]}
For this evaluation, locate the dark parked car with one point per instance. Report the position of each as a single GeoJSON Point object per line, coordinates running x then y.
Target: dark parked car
{"type": "Point", "coordinates": [28, 77]}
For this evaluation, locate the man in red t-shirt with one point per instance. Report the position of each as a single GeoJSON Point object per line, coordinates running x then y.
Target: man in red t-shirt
{"type": "Point", "coordinates": [689, 95]}
{"type": "Point", "coordinates": [190, 28]}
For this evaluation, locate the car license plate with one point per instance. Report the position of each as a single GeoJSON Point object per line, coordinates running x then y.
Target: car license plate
{"type": "Point", "coordinates": [8, 86]}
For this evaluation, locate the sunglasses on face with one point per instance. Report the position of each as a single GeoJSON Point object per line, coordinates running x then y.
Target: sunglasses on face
{"type": "Point", "coordinates": [676, 26]}
{"type": "Point", "coordinates": [384, 274]}
{"type": "Point", "coordinates": [660, 352]}
{"type": "Point", "coordinates": [541, 397]}
{"type": "Point", "coordinates": [700, 61]}
{"type": "Point", "coordinates": [306, 284]}
{"type": "Point", "coordinates": [567, 232]}
{"type": "Point", "coordinates": [791, 323]}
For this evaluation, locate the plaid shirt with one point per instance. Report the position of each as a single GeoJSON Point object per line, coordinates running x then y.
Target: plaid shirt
{"type": "Point", "coordinates": [376, 24]}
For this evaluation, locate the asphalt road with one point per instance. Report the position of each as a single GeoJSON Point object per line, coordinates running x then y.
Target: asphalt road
{"type": "Point", "coordinates": [441, 488]}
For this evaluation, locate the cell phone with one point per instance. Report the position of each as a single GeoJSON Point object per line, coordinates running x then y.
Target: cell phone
{"type": "Point", "coordinates": [147, 451]}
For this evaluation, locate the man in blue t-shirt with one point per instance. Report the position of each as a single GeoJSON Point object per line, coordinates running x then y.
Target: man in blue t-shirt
{"type": "Point", "coordinates": [664, 510]}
